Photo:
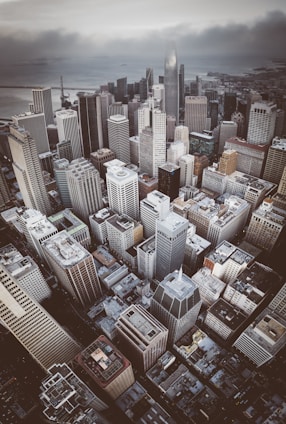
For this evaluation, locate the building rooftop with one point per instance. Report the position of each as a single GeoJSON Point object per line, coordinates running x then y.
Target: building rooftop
{"type": "Point", "coordinates": [178, 285]}
{"type": "Point", "coordinates": [202, 136]}
{"type": "Point", "coordinates": [278, 143]}
{"type": "Point", "coordinates": [169, 166]}
{"type": "Point", "coordinates": [125, 286]}
{"type": "Point", "coordinates": [148, 245]}
{"type": "Point", "coordinates": [101, 215]}
{"type": "Point", "coordinates": [225, 250]}
{"type": "Point", "coordinates": [65, 250]}
{"type": "Point", "coordinates": [198, 243]}
{"type": "Point", "coordinates": [173, 221]}
{"type": "Point", "coordinates": [227, 314]}
{"type": "Point", "coordinates": [122, 222]}
{"type": "Point", "coordinates": [104, 256]}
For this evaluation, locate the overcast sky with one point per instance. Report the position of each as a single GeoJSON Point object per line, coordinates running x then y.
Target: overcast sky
{"type": "Point", "coordinates": [37, 28]}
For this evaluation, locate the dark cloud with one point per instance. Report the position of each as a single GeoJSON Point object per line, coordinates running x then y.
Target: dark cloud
{"type": "Point", "coordinates": [265, 38]}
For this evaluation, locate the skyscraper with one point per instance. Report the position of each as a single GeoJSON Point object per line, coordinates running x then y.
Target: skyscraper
{"type": "Point", "coordinates": [186, 164]}
{"type": "Point", "coordinates": [121, 89]}
{"type": "Point", "coordinates": [182, 134]}
{"type": "Point", "coordinates": [169, 180]}
{"type": "Point", "coordinates": [261, 125]}
{"type": "Point", "coordinates": [74, 267]}
{"type": "Point", "coordinates": [27, 169]}
{"type": "Point", "coordinates": [42, 102]}
{"type": "Point", "coordinates": [196, 113]}
{"type": "Point", "coordinates": [84, 187]}
{"type": "Point", "coordinates": [227, 129]}
{"type": "Point", "coordinates": [122, 190]}
{"type": "Point", "coordinates": [118, 137]}
{"type": "Point", "coordinates": [89, 109]}
{"type": "Point", "coordinates": [35, 124]}
{"type": "Point", "coordinates": [45, 340]}
{"type": "Point", "coordinates": [171, 83]}
{"type": "Point", "coordinates": [60, 172]}
{"type": "Point", "coordinates": [155, 206]}
{"type": "Point", "coordinates": [182, 86]}
{"type": "Point", "coordinates": [176, 304]}
{"type": "Point", "coordinates": [171, 235]}
{"type": "Point", "coordinates": [68, 129]}
{"type": "Point", "coordinates": [276, 160]}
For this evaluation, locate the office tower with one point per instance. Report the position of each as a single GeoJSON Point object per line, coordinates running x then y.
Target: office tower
{"type": "Point", "coordinates": [228, 162]}
{"type": "Point", "coordinates": [143, 89]}
{"type": "Point", "coordinates": [84, 187]}
{"type": "Point", "coordinates": [266, 226]}
{"type": "Point", "coordinates": [4, 190]}
{"type": "Point", "coordinates": [169, 180]}
{"type": "Point", "coordinates": [181, 86]}
{"type": "Point", "coordinates": [239, 119]}
{"type": "Point", "coordinates": [224, 319]}
{"type": "Point", "coordinates": [89, 110]}
{"type": "Point", "coordinates": [159, 139]}
{"type": "Point", "coordinates": [213, 106]}
{"type": "Point", "coordinates": [64, 150]}
{"type": "Point", "coordinates": [4, 144]}
{"type": "Point", "coordinates": [134, 150]}
{"type": "Point", "coordinates": [196, 113]}
{"type": "Point", "coordinates": [66, 220]}
{"type": "Point", "coordinates": [276, 160]}
{"type": "Point", "coordinates": [155, 206]}
{"type": "Point", "coordinates": [279, 198]}
{"type": "Point", "coordinates": [171, 82]}
{"type": "Point", "coordinates": [195, 250]}
{"type": "Point", "coordinates": [201, 162]}
{"type": "Point", "coordinates": [27, 169]}
{"type": "Point", "coordinates": [186, 164]}
{"type": "Point", "coordinates": [117, 108]}
{"type": "Point", "coordinates": [118, 137]}
{"type": "Point", "coordinates": [26, 273]}
{"type": "Point", "coordinates": [251, 287]}
{"type": "Point", "coordinates": [133, 107]}
{"type": "Point", "coordinates": [45, 340]}
{"type": "Point", "coordinates": [170, 127]}
{"type": "Point", "coordinates": [122, 191]}
{"type": "Point", "coordinates": [143, 336]}
{"type": "Point", "coordinates": [203, 144]}
{"type": "Point", "coordinates": [150, 79]}
{"type": "Point", "coordinates": [229, 105]}
{"type": "Point", "coordinates": [210, 287]}
{"type": "Point", "coordinates": [68, 129]}
{"type": "Point", "coordinates": [261, 123]}
{"type": "Point", "coordinates": [36, 228]}
{"type": "Point", "coordinates": [182, 133]}
{"type": "Point", "coordinates": [158, 93]}
{"type": "Point", "coordinates": [171, 235]}
{"type": "Point", "coordinates": [278, 303]}
{"type": "Point", "coordinates": [97, 223]}
{"type": "Point", "coordinates": [252, 97]}
{"type": "Point", "coordinates": [66, 398]}
{"type": "Point", "coordinates": [46, 162]}
{"type": "Point", "coordinates": [121, 90]}
{"type": "Point", "coordinates": [176, 304]}
{"type": "Point", "coordinates": [146, 184]}
{"type": "Point", "coordinates": [35, 124]}
{"type": "Point", "coordinates": [123, 232]}
{"type": "Point", "coordinates": [175, 151]}
{"type": "Point", "coordinates": [227, 129]}
{"type": "Point", "coordinates": [99, 158]}
{"type": "Point", "coordinates": [146, 258]}
{"type": "Point", "coordinates": [250, 157]}
{"type": "Point", "coordinates": [227, 261]}
{"type": "Point", "coordinates": [107, 366]}
{"type": "Point", "coordinates": [60, 172]}
{"type": "Point", "coordinates": [106, 100]}
{"type": "Point", "coordinates": [279, 123]}
{"type": "Point", "coordinates": [74, 268]}
{"type": "Point", "coordinates": [42, 103]}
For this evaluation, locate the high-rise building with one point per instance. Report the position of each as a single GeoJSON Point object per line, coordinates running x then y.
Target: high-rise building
{"type": "Point", "coordinates": [123, 232]}
{"type": "Point", "coordinates": [186, 164]}
{"type": "Point", "coordinates": [35, 124]}
{"type": "Point", "coordinates": [203, 144]}
{"type": "Point", "coordinates": [99, 158]}
{"type": "Point", "coordinates": [150, 79]}
{"type": "Point", "coordinates": [227, 129]}
{"type": "Point", "coordinates": [42, 102]}
{"type": "Point", "coordinates": [171, 235]}
{"type": "Point", "coordinates": [239, 119]}
{"type": "Point", "coordinates": [60, 172]}
{"type": "Point", "coordinates": [213, 106]}
{"type": "Point", "coordinates": [45, 340]}
{"type": "Point", "coordinates": [121, 89]}
{"type": "Point", "coordinates": [74, 267]}
{"type": "Point", "coordinates": [4, 190]}
{"type": "Point", "coordinates": [276, 160]}
{"type": "Point", "coordinates": [84, 187]}
{"type": "Point", "coordinates": [142, 335]}
{"type": "Point", "coordinates": [106, 100]}
{"type": "Point", "coordinates": [68, 129]}
{"type": "Point", "coordinates": [171, 83]}
{"type": "Point", "coordinates": [97, 223]}
{"type": "Point", "coordinates": [176, 304]}
{"type": "Point", "coordinates": [155, 206]}
{"type": "Point", "coordinates": [181, 86]}
{"type": "Point", "coordinates": [279, 198]}
{"type": "Point", "coordinates": [68, 399]}
{"type": "Point", "coordinates": [278, 303]}
{"type": "Point", "coordinates": [146, 258]}
{"type": "Point", "coordinates": [229, 105]}
{"type": "Point", "coordinates": [118, 137]}
{"type": "Point", "coordinates": [266, 226]}
{"type": "Point", "coordinates": [89, 109]}
{"type": "Point", "coordinates": [107, 366]}
{"type": "Point", "coordinates": [64, 150]}
{"type": "Point", "coordinates": [158, 92]}
{"type": "Point", "coordinates": [26, 273]}
{"type": "Point", "coordinates": [228, 162]}
{"type": "Point", "coordinates": [169, 180]}
{"type": "Point", "coordinates": [27, 169]}
{"type": "Point", "coordinates": [117, 108]}
{"type": "Point", "coordinates": [196, 113]}
{"type": "Point", "coordinates": [133, 107]}
{"type": "Point", "coordinates": [175, 151]}
{"type": "Point", "coordinates": [122, 190]}
{"type": "Point", "coordinates": [182, 134]}
{"type": "Point", "coordinates": [170, 127]}
{"type": "Point", "coordinates": [261, 125]}
{"type": "Point", "coordinates": [210, 287]}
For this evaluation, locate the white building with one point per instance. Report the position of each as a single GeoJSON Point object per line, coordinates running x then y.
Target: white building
{"type": "Point", "coordinates": [186, 164]}
{"type": "Point", "coordinates": [60, 172]}
{"type": "Point", "coordinates": [118, 137]}
{"type": "Point", "coordinates": [227, 129]}
{"type": "Point", "coordinates": [42, 102]}
{"type": "Point", "coordinates": [84, 187]}
{"type": "Point", "coordinates": [176, 151]}
{"type": "Point", "coordinates": [261, 125]}
{"type": "Point", "coordinates": [68, 129]}
{"type": "Point", "coordinates": [35, 124]}
{"type": "Point", "coordinates": [74, 267]}
{"type": "Point", "coordinates": [182, 134]}
{"type": "Point", "coordinates": [122, 191]}
{"type": "Point", "coordinates": [146, 258]}
{"type": "Point", "coordinates": [209, 285]}
{"type": "Point", "coordinates": [97, 223]}
{"type": "Point", "coordinates": [155, 206]}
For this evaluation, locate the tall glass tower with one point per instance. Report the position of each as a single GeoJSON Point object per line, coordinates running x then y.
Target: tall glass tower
{"type": "Point", "coordinates": [171, 82]}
